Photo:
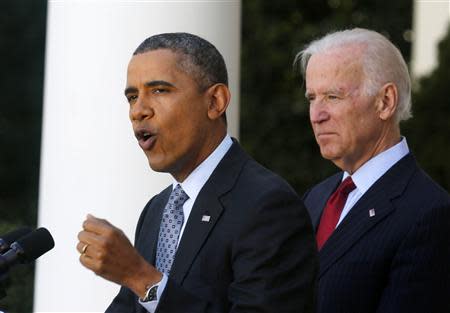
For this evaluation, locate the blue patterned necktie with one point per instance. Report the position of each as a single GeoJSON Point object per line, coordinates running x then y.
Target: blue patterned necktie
{"type": "Point", "coordinates": [169, 231]}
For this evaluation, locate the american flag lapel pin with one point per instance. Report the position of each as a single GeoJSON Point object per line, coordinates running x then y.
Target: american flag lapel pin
{"type": "Point", "coordinates": [206, 218]}
{"type": "Point", "coordinates": [371, 212]}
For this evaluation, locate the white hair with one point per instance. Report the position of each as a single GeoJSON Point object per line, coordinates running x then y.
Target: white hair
{"type": "Point", "coordinates": [382, 63]}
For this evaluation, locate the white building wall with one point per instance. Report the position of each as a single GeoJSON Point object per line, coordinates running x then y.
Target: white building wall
{"type": "Point", "coordinates": [430, 24]}
{"type": "Point", "coordinates": [90, 161]}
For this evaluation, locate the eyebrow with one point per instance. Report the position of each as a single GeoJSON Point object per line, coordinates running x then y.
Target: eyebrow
{"type": "Point", "coordinates": [153, 83]}
{"type": "Point", "coordinates": [329, 91]}
{"type": "Point", "coordinates": [130, 90]}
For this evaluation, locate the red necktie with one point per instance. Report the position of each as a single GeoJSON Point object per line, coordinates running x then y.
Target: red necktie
{"type": "Point", "coordinates": [333, 210]}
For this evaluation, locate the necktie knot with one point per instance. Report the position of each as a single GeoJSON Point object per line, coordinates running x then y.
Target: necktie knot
{"type": "Point", "coordinates": [347, 186]}
{"type": "Point", "coordinates": [178, 197]}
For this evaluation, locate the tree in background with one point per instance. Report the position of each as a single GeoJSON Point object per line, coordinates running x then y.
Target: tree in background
{"type": "Point", "coordinates": [428, 132]}
{"type": "Point", "coordinates": [275, 126]}
{"type": "Point", "coordinates": [22, 45]}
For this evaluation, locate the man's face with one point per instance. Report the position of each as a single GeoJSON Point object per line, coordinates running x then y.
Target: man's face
{"type": "Point", "coordinates": [168, 113]}
{"type": "Point", "coordinates": [344, 119]}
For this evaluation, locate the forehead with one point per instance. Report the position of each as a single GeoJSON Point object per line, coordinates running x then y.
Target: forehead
{"type": "Point", "coordinates": [338, 68]}
{"type": "Point", "coordinates": [156, 64]}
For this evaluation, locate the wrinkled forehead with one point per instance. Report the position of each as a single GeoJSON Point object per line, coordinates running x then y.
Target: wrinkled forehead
{"type": "Point", "coordinates": [335, 67]}
{"type": "Point", "coordinates": [341, 56]}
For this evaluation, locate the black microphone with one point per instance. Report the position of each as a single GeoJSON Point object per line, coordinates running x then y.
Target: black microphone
{"type": "Point", "coordinates": [27, 249]}
{"type": "Point", "coordinates": [7, 239]}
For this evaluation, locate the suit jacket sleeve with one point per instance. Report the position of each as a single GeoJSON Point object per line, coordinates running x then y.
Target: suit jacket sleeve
{"type": "Point", "coordinates": [273, 259]}
{"type": "Point", "coordinates": [420, 278]}
{"type": "Point", "coordinates": [126, 301]}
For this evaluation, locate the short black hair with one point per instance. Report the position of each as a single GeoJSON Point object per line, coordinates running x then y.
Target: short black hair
{"type": "Point", "coordinates": [198, 57]}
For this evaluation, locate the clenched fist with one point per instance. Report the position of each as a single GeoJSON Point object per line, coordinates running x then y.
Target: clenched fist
{"type": "Point", "coordinates": [108, 253]}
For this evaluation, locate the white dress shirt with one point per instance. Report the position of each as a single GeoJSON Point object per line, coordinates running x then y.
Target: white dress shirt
{"type": "Point", "coordinates": [370, 172]}
{"type": "Point", "coordinates": [192, 186]}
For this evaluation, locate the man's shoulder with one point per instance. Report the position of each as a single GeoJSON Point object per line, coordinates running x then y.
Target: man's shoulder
{"type": "Point", "coordinates": [425, 191]}
{"type": "Point", "coordinates": [239, 170]}
{"type": "Point", "coordinates": [257, 176]}
{"type": "Point", "coordinates": [407, 182]}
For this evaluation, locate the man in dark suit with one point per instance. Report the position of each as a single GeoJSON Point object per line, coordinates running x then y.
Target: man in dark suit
{"type": "Point", "coordinates": [228, 235]}
{"type": "Point", "coordinates": [382, 225]}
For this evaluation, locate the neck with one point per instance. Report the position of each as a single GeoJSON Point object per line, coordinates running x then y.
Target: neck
{"type": "Point", "coordinates": [209, 143]}
{"type": "Point", "coordinates": [387, 140]}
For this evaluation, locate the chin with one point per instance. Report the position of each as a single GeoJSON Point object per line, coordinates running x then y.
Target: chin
{"type": "Point", "coordinates": [327, 154]}
{"type": "Point", "coordinates": [156, 166]}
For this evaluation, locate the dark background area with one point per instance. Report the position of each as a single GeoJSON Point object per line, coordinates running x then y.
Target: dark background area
{"type": "Point", "coordinates": [22, 52]}
{"type": "Point", "coordinates": [274, 122]}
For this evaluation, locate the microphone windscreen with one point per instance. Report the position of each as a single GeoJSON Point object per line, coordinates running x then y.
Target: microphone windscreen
{"type": "Point", "coordinates": [36, 244]}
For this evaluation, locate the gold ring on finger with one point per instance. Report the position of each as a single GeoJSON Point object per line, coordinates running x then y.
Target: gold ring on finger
{"type": "Point", "coordinates": [83, 251]}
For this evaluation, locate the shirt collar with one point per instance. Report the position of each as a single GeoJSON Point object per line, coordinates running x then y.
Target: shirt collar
{"type": "Point", "coordinates": [376, 167]}
{"type": "Point", "coordinates": [197, 179]}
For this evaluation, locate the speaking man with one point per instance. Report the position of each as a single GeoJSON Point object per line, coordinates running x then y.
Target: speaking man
{"type": "Point", "coordinates": [228, 235]}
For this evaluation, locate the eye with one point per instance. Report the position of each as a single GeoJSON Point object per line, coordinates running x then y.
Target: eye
{"type": "Point", "coordinates": [160, 90]}
{"type": "Point", "coordinates": [332, 97]}
{"type": "Point", "coordinates": [131, 98]}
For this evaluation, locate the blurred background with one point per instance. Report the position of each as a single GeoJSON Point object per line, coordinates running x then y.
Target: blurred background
{"type": "Point", "coordinates": [274, 123]}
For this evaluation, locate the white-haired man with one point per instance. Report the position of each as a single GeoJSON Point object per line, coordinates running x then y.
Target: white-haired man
{"type": "Point", "coordinates": [382, 225]}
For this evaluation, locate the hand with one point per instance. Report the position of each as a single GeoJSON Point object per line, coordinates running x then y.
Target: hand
{"type": "Point", "coordinates": [108, 253]}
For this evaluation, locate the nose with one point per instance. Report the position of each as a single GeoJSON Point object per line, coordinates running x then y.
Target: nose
{"type": "Point", "coordinates": [318, 112]}
{"type": "Point", "coordinates": [141, 110]}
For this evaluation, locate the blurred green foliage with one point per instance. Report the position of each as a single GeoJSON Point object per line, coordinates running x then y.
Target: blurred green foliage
{"type": "Point", "coordinates": [428, 132]}
{"type": "Point", "coordinates": [22, 49]}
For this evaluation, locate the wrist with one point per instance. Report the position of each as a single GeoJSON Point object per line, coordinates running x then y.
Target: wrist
{"type": "Point", "coordinates": [151, 294]}
{"type": "Point", "coordinates": [144, 280]}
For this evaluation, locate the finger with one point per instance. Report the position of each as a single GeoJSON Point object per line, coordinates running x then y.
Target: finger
{"type": "Point", "coordinates": [86, 261]}
{"type": "Point", "coordinates": [96, 225]}
{"type": "Point", "coordinates": [89, 216]}
{"type": "Point", "coordinates": [92, 217]}
{"type": "Point", "coordinates": [82, 247]}
{"type": "Point", "coordinates": [90, 238]}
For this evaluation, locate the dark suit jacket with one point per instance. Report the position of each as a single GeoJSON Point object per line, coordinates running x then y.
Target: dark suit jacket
{"type": "Point", "coordinates": [396, 261]}
{"type": "Point", "coordinates": [256, 254]}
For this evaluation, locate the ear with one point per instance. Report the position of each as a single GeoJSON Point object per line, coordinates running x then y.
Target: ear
{"type": "Point", "coordinates": [387, 101]}
{"type": "Point", "coordinates": [219, 97]}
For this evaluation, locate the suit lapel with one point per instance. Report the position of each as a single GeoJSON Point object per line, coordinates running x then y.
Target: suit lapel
{"type": "Point", "coordinates": [195, 234]}
{"type": "Point", "coordinates": [206, 211]}
{"type": "Point", "coordinates": [359, 219]}
{"type": "Point", "coordinates": [320, 199]}
{"type": "Point", "coordinates": [148, 241]}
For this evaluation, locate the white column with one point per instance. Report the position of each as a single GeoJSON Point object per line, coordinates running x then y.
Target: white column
{"type": "Point", "coordinates": [90, 161]}
{"type": "Point", "coordinates": [430, 24]}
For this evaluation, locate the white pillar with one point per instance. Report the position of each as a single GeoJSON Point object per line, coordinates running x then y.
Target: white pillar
{"type": "Point", "coordinates": [90, 161]}
{"type": "Point", "coordinates": [430, 24]}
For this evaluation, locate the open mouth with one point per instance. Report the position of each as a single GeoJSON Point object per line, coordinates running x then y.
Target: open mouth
{"type": "Point", "coordinates": [146, 139]}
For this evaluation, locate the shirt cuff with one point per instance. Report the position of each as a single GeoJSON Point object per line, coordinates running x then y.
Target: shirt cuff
{"type": "Point", "coordinates": [150, 306]}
